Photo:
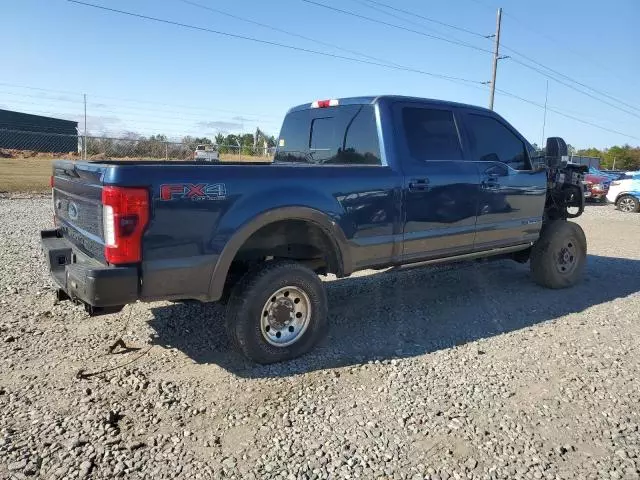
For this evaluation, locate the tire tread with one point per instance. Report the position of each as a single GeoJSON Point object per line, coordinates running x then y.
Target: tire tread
{"type": "Point", "coordinates": [246, 291]}
{"type": "Point", "coordinates": [542, 266]}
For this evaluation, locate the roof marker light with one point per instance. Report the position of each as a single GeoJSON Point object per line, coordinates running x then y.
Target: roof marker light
{"type": "Point", "coordinates": [325, 103]}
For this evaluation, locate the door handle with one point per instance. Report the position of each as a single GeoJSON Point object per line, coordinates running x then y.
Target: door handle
{"type": "Point", "coordinates": [419, 184]}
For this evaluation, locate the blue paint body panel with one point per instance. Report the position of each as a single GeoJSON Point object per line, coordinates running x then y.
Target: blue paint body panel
{"type": "Point", "coordinates": [376, 215]}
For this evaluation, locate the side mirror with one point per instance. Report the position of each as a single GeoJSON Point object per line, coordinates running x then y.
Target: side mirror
{"type": "Point", "coordinates": [555, 150]}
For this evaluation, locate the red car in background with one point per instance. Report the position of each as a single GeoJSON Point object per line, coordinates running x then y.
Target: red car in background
{"type": "Point", "coordinates": [596, 187]}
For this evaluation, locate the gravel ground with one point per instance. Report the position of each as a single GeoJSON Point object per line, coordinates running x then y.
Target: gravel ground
{"type": "Point", "coordinates": [446, 373]}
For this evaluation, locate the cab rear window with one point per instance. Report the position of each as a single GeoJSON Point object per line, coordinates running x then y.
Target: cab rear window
{"type": "Point", "coordinates": [345, 135]}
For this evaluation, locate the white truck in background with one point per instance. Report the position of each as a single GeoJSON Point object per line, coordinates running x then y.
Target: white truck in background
{"type": "Point", "coordinates": [206, 153]}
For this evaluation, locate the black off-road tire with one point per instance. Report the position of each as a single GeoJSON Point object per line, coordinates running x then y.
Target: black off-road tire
{"type": "Point", "coordinates": [559, 256]}
{"type": "Point", "coordinates": [633, 202]}
{"type": "Point", "coordinates": [245, 309]}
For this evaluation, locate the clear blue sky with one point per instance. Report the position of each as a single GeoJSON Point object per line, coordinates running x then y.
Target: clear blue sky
{"type": "Point", "coordinates": [155, 78]}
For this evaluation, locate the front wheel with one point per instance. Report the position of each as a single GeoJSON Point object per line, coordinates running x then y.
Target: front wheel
{"type": "Point", "coordinates": [277, 312]}
{"type": "Point", "coordinates": [559, 256]}
{"type": "Point", "coordinates": [628, 204]}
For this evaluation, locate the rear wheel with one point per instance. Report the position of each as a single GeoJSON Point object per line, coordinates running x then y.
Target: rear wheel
{"type": "Point", "coordinates": [277, 312]}
{"type": "Point", "coordinates": [628, 204]}
{"type": "Point", "coordinates": [559, 256]}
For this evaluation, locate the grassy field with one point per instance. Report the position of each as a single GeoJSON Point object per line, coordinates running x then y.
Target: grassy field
{"type": "Point", "coordinates": [25, 174]}
{"type": "Point", "coordinates": [32, 174]}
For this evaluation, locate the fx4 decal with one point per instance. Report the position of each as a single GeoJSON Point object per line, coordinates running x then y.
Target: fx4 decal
{"type": "Point", "coordinates": [193, 191]}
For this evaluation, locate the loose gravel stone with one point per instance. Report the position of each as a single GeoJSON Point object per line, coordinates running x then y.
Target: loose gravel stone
{"type": "Point", "coordinates": [19, 465]}
{"type": "Point", "coordinates": [456, 372]}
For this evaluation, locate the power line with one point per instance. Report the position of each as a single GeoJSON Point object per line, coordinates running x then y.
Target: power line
{"type": "Point", "coordinates": [428, 19]}
{"type": "Point", "coordinates": [144, 126]}
{"type": "Point", "coordinates": [132, 100]}
{"type": "Point", "coordinates": [539, 33]}
{"type": "Point", "coordinates": [393, 25]}
{"type": "Point", "coordinates": [369, 2]}
{"type": "Point", "coordinates": [577, 119]}
{"type": "Point", "coordinates": [568, 77]}
{"type": "Point", "coordinates": [451, 78]}
{"type": "Point", "coordinates": [320, 42]}
{"type": "Point", "coordinates": [286, 32]}
{"type": "Point", "coordinates": [271, 43]}
{"type": "Point", "coordinates": [154, 119]}
{"type": "Point", "coordinates": [105, 108]}
{"type": "Point", "coordinates": [575, 88]}
{"type": "Point", "coordinates": [563, 45]}
{"type": "Point", "coordinates": [171, 120]}
{"type": "Point", "coordinates": [421, 25]}
{"type": "Point", "coordinates": [555, 110]}
{"type": "Point", "coordinates": [549, 38]}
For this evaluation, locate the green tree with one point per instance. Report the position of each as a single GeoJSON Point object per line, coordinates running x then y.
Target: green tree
{"type": "Point", "coordinates": [625, 157]}
{"type": "Point", "coordinates": [246, 140]}
{"type": "Point", "coordinates": [590, 152]}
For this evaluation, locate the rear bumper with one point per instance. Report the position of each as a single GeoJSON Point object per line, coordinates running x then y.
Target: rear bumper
{"type": "Point", "coordinates": [83, 279]}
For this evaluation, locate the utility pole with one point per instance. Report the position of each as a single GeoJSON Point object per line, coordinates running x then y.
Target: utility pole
{"type": "Point", "coordinates": [85, 127]}
{"type": "Point", "coordinates": [496, 57]}
{"type": "Point", "coordinates": [544, 120]}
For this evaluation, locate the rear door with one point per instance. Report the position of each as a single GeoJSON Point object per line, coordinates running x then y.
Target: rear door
{"type": "Point", "coordinates": [512, 196]}
{"type": "Point", "coordinates": [77, 203]}
{"type": "Point", "coordinates": [440, 187]}
{"type": "Point", "coordinates": [342, 142]}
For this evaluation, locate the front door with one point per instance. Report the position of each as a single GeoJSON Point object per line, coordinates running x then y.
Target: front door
{"type": "Point", "coordinates": [440, 188]}
{"type": "Point", "coordinates": [512, 195]}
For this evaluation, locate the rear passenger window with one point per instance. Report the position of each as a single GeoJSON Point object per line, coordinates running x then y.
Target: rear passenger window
{"type": "Point", "coordinates": [431, 134]}
{"type": "Point", "coordinates": [360, 140]}
{"type": "Point", "coordinates": [345, 135]}
{"type": "Point", "coordinates": [492, 141]}
{"type": "Point", "coordinates": [323, 144]}
{"type": "Point", "coordinates": [293, 144]}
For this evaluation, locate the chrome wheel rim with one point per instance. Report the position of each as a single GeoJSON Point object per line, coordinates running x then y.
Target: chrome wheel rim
{"type": "Point", "coordinates": [567, 257]}
{"type": "Point", "coordinates": [627, 204]}
{"type": "Point", "coordinates": [285, 316]}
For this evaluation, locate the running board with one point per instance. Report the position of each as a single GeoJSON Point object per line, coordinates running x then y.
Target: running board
{"type": "Point", "coordinates": [468, 256]}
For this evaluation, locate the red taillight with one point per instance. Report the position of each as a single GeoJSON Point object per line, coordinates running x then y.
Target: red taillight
{"type": "Point", "coordinates": [125, 214]}
{"type": "Point", "coordinates": [51, 181]}
{"type": "Point", "coordinates": [325, 103]}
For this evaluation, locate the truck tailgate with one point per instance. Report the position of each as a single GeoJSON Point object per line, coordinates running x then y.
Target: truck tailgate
{"type": "Point", "coordinates": [77, 203]}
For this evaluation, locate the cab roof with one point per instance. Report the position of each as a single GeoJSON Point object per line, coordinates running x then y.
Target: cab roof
{"type": "Point", "coordinates": [374, 99]}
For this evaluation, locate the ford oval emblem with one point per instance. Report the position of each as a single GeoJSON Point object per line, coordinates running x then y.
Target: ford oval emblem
{"type": "Point", "coordinates": [72, 210]}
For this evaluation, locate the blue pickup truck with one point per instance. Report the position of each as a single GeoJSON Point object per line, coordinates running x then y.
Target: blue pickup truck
{"type": "Point", "coordinates": [356, 183]}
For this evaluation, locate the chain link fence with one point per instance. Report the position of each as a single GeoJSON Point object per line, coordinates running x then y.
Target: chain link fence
{"type": "Point", "coordinates": [29, 144]}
